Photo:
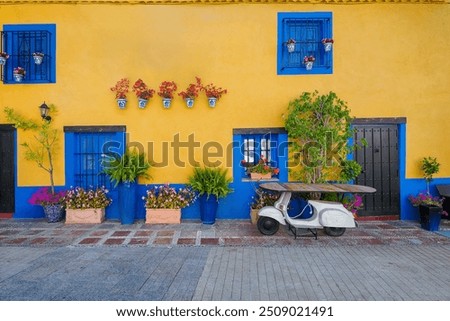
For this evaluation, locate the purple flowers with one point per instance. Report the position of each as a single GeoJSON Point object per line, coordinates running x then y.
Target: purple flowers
{"type": "Point", "coordinates": [353, 203]}
{"type": "Point", "coordinates": [44, 196]}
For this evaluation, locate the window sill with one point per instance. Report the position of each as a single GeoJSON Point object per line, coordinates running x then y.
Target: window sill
{"type": "Point", "coordinates": [273, 179]}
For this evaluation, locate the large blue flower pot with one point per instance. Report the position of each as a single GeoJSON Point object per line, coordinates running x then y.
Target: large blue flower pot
{"type": "Point", "coordinates": [430, 217]}
{"type": "Point", "coordinates": [208, 209]}
{"type": "Point", "coordinates": [127, 202]}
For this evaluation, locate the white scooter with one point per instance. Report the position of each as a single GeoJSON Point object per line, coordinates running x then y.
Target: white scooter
{"type": "Point", "coordinates": [333, 217]}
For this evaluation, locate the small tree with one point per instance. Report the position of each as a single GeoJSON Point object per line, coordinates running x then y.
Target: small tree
{"type": "Point", "coordinates": [46, 139]}
{"type": "Point", "coordinates": [429, 167]}
{"type": "Point", "coordinates": [319, 127]}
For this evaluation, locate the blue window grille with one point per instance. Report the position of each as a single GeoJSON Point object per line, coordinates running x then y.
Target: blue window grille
{"type": "Point", "coordinates": [88, 157]}
{"type": "Point", "coordinates": [308, 30]}
{"type": "Point", "coordinates": [255, 146]}
{"type": "Point", "coordinates": [20, 42]}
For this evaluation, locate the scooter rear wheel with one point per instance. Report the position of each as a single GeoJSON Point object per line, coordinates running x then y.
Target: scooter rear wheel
{"type": "Point", "coordinates": [334, 231]}
{"type": "Point", "coordinates": [267, 225]}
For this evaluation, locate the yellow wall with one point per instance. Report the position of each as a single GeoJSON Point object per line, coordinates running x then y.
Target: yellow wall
{"type": "Point", "coordinates": [390, 60]}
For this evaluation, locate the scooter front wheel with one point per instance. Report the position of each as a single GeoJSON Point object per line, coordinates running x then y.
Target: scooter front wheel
{"type": "Point", "coordinates": [267, 225]}
{"type": "Point", "coordinates": [334, 231]}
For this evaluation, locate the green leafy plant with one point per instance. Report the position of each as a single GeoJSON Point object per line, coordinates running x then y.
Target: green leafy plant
{"type": "Point", "coordinates": [350, 169]}
{"type": "Point", "coordinates": [429, 167]}
{"type": "Point", "coordinates": [263, 198]}
{"type": "Point", "coordinates": [127, 168]}
{"type": "Point", "coordinates": [210, 181]}
{"type": "Point", "coordinates": [46, 139]}
{"type": "Point", "coordinates": [319, 127]}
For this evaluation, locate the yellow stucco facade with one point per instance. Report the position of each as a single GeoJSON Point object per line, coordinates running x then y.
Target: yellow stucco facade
{"type": "Point", "coordinates": [390, 60]}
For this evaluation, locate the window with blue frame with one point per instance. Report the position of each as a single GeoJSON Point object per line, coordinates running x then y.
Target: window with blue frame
{"type": "Point", "coordinates": [86, 150]}
{"type": "Point", "coordinates": [306, 30]}
{"type": "Point", "coordinates": [254, 146]}
{"type": "Point", "coordinates": [23, 44]}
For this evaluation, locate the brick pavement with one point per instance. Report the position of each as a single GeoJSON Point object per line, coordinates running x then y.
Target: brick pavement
{"type": "Point", "coordinates": [388, 260]}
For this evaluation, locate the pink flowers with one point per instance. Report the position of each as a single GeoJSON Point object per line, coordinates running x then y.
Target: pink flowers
{"type": "Point", "coordinates": [164, 196]}
{"type": "Point", "coordinates": [353, 203]}
{"type": "Point", "coordinates": [262, 167]}
{"type": "Point", "coordinates": [327, 40]}
{"type": "Point", "coordinates": [44, 196]}
{"type": "Point", "coordinates": [308, 59]}
{"type": "Point", "coordinates": [79, 198]}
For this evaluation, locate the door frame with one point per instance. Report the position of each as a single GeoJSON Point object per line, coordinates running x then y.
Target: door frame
{"type": "Point", "coordinates": [12, 129]}
{"type": "Point", "coordinates": [400, 122]}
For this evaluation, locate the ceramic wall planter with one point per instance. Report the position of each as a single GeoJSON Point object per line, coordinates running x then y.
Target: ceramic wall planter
{"type": "Point", "coordinates": [290, 47]}
{"type": "Point", "coordinates": [142, 103]}
{"type": "Point", "coordinates": [166, 102]}
{"type": "Point", "coordinates": [327, 46]}
{"type": "Point", "coordinates": [189, 102]}
{"type": "Point", "coordinates": [38, 59]}
{"type": "Point", "coordinates": [212, 102]}
{"type": "Point", "coordinates": [85, 216]}
{"type": "Point", "coordinates": [18, 77]}
{"type": "Point", "coordinates": [121, 103]}
{"type": "Point", "coordinates": [309, 65]}
{"type": "Point", "coordinates": [259, 176]}
{"type": "Point", "coordinates": [2, 61]}
{"type": "Point", "coordinates": [54, 213]}
{"type": "Point", "coordinates": [162, 216]}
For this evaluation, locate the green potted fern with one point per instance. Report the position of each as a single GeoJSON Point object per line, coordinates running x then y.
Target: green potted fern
{"type": "Point", "coordinates": [211, 184]}
{"type": "Point", "coordinates": [123, 172]}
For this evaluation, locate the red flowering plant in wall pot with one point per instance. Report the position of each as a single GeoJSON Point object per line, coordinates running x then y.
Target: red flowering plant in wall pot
{"type": "Point", "coordinates": [308, 61]}
{"type": "Point", "coordinates": [191, 92]}
{"type": "Point", "coordinates": [290, 44]}
{"type": "Point", "coordinates": [19, 73]}
{"type": "Point", "coordinates": [327, 44]}
{"type": "Point", "coordinates": [213, 93]}
{"type": "Point", "coordinates": [121, 90]}
{"type": "Point", "coordinates": [167, 90]}
{"type": "Point", "coordinates": [143, 93]}
{"type": "Point", "coordinates": [3, 57]}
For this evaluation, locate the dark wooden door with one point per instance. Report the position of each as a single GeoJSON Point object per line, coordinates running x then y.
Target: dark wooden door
{"type": "Point", "coordinates": [6, 169]}
{"type": "Point", "coordinates": [380, 164]}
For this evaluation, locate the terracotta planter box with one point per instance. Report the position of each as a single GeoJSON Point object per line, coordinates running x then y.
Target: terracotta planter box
{"type": "Point", "coordinates": [254, 215]}
{"type": "Point", "coordinates": [162, 216]}
{"type": "Point", "coordinates": [260, 176]}
{"type": "Point", "coordinates": [85, 216]}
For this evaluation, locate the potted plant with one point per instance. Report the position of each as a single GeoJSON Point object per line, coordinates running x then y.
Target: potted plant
{"type": "Point", "coordinates": [429, 167]}
{"type": "Point", "coordinates": [121, 90]}
{"type": "Point", "coordinates": [166, 90]}
{"type": "Point", "coordinates": [290, 44]}
{"type": "Point", "coordinates": [211, 184]}
{"type": "Point", "coordinates": [164, 203]}
{"type": "Point", "coordinates": [38, 57]}
{"type": "Point", "coordinates": [430, 210]}
{"type": "Point", "coordinates": [86, 206]}
{"type": "Point", "coordinates": [42, 153]}
{"type": "Point", "coordinates": [19, 74]}
{"type": "Point", "coordinates": [213, 93]}
{"type": "Point", "coordinates": [3, 57]}
{"type": "Point", "coordinates": [191, 92]}
{"type": "Point", "coordinates": [51, 202]}
{"type": "Point", "coordinates": [327, 44]}
{"type": "Point", "coordinates": [123, 172]}
{"type": "Point", "coordinates": [142, 92]}
{"type": "Point", "coordinates": [308, 61]}
{"type": "Point", "coordinates": [262, 170]}
{"type": "Point", "coordinates": [261, 199]}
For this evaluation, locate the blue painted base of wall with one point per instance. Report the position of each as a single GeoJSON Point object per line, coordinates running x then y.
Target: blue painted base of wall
{"type": "Point", "coordinates": [234, 206]}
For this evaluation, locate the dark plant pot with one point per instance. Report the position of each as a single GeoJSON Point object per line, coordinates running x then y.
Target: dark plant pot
{"type": "Point", "coordinates": [208, 209]}
{"type": "Point", "coordinates": [54, 213]}
{"type": "Point", "coordinates": [430, 217]}
{"type": "Point", "coordinates": [127, 202]}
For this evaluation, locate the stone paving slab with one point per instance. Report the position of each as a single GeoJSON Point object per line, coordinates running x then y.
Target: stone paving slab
{"type": "Point", "coordinates": [38, 233]}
